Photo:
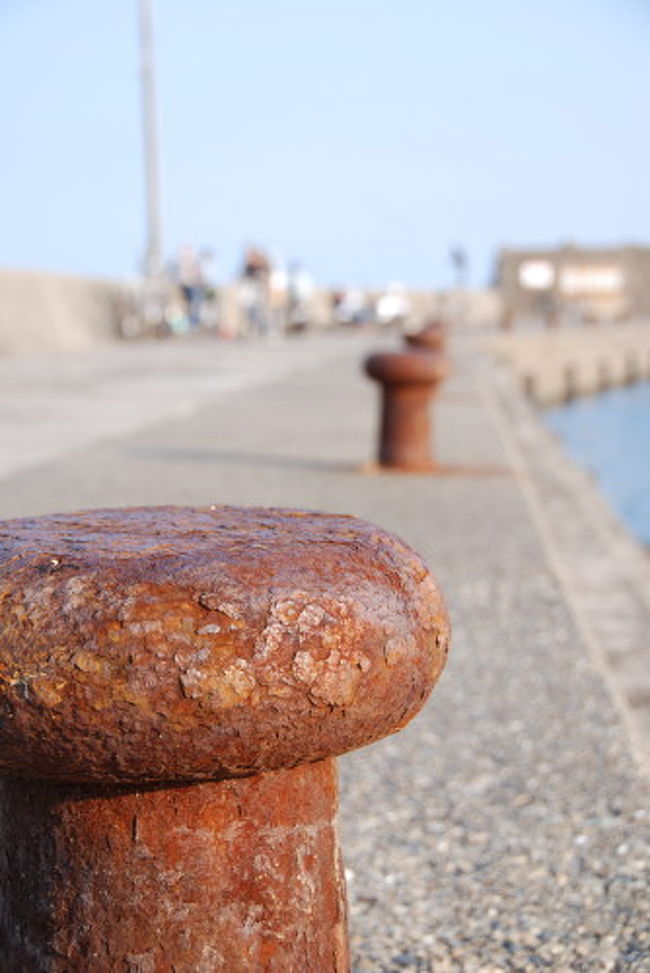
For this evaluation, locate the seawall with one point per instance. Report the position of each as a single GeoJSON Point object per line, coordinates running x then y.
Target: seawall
{"type": "Point", "coordinates": [556, 365]}
{"type": "Point", "coordinates": [42, 312]}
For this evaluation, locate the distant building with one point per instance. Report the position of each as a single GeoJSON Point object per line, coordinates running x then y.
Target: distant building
{"type": "Point", "coordinates": [575, 284]}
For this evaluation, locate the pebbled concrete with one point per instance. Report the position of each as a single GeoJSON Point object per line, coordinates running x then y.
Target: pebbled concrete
{"type": "Point", "coordinates": [507, 828]}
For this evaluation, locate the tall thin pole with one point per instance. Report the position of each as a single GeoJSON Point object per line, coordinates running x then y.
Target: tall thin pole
{"type": "Point", "coordinates": [153, 257]}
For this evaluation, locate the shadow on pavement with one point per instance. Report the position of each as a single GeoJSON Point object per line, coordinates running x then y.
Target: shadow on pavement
{"type": "Point", "coordinates": [179, 454]}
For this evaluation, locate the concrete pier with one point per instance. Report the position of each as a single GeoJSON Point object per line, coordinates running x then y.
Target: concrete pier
{"type": "Point", "coordinates": [509, 828]}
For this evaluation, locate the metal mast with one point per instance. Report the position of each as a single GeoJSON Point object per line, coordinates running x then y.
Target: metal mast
{"type": "Point", "coordinates": [153, 256]}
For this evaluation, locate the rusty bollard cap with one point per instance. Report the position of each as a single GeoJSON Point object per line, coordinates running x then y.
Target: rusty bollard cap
{"type": "Point", "coordinates": [432, 336]}
{"type": "Point", "coordinates": [177, 644]}
{"type": "Point", "coordinates": [406, 367]}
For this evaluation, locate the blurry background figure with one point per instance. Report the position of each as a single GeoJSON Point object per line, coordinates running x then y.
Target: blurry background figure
{"type": "Point", "coordinates": [189, 278]}
{"type": "Point", "coordinates": [336, 298]}
{"type": "Point", "coordinates": [209, 309]}
{"type": "Point", "coordinates": [176, 319]}
{"type": "Point", "coordinates": [254, 291]}
{"type": "Point", "coordinates": [350, 306]}
{"type": "Point", "coordinates": [151, 298]}
{"type": "Point", "coordinates": [300, 295]}
{"type": "Point", "coordinates": [393, 306]}
{"type": "Point", "coordinates": [278, 300]}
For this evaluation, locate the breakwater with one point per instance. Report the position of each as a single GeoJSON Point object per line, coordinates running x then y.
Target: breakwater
{"type": "Point", "coordinates": [554, 365]}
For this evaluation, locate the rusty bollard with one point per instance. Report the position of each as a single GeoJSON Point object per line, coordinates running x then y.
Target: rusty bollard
{"type": "Point", "coordinates": [408, 381]}
{"type": "Point", "coordinates": [175, 684]}
{"type": "Point", "coordinates": [432, 336]}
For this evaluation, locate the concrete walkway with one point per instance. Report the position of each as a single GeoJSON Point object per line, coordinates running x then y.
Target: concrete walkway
{"type": "Point", "coordinates": [507, 828]}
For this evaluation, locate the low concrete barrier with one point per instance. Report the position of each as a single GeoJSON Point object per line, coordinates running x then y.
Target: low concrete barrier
{"type": "Point", "coordinates": [553, 366]}
{"type": "Point", "coordinates": [41, 312]}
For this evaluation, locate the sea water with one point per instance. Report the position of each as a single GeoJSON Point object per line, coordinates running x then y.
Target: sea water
{"type": "Point", "coordinates": [609, 434]}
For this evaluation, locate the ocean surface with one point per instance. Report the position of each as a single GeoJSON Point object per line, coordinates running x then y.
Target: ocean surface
{"type": "Point", "coordinates": [609, 434]}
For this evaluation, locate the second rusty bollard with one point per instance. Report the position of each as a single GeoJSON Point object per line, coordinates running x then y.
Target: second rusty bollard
{"type": "Point", "coordinates": [432, 336]}
{"type": "Point", "coordinates": [408, 381]}
{"type": "Point", "coordinates": [174, 686]}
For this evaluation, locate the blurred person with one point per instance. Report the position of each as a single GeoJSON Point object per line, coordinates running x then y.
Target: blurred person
{"type": "Point", "coordinates": [300, 294]}
{"type": "Point", "coordinates": [393, 306]}
{"type": "Point", "coordinates": [254, 291]}
{"type": "Point", "coordinates": [189, 277]}
{"type": "Point", "coordinates": [209, 309]}
{"type": "Point", "coordinates": [278, 300]}
{"type": "Point", "coordinates": [353, 307]}
{"type": "Point", "coordinates": [336, 299]}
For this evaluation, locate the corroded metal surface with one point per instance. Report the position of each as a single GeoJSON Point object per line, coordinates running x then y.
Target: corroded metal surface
{"type": "Point", "coordinates": [154, 646]}
{"type": "Point", "coordinates": [408, 381]}
{"type": "Point", "coordinates": [406, 368]}
{"type": "Point", "coordinates": [169, 644]}
{"type": "Point", "coordinates": [240, 875]}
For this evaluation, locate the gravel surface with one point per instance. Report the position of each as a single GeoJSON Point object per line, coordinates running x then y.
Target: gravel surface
{"type": "Point", "coordinates": [507, 828]}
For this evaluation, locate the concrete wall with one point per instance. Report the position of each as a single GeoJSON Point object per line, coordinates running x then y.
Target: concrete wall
{"type": "Point", "coordinates": [554, 366]}
{"type": "Point", "coordinates": [41, 312]}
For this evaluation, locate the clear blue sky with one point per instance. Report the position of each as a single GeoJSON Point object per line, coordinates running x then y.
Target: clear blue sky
{"type": "Point", "coordinates": [364, 137]}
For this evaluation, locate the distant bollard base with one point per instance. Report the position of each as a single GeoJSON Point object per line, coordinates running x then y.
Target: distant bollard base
{"type": "Point", "coordinates": [408, 381]}
{"type": "Point", "coordinates": [377, 468]}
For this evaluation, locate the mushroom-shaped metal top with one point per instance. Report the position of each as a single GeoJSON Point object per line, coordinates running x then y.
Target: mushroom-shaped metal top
{"type": "Point", "coordinates": [175, 644]}
{"type": "Point", "coordinates": [432, 336]}
{"type": "Point", "coordinates": [406, 368]}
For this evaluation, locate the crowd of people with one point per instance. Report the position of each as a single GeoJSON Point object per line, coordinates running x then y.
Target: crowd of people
{"type": "Point", "coordinates": [266, 298]}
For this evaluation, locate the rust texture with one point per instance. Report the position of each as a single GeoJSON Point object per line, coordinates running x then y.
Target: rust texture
{"type": "Point", "coordinates": [432, 336]}
{"type": "Point", "coordinates": [173, 685]}
{"type": "Point", "coordinates": [171, 644]}
{"type": "Point", "coordinates": [240, 875]}
{"type": "Point", "coordinates": [408, 381]}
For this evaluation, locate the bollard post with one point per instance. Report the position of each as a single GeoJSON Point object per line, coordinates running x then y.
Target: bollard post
{"type": "Point", "coordinates": [408, 382]}
{"type": "Point", "coordinates": [175, 684]}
